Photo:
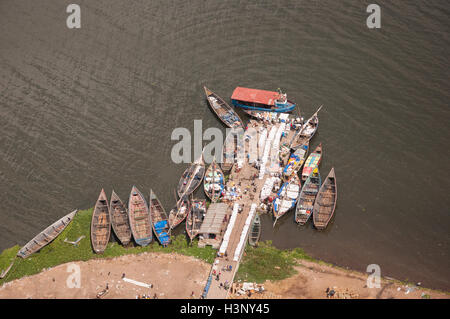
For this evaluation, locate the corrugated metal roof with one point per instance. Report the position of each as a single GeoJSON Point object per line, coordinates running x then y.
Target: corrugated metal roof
{"type": "Point", "coordinates": [214, 218]}
{"type": "Point", "coordinates": [254, 95]}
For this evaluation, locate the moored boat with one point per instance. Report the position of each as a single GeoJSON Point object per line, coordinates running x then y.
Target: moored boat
{"type": "Point", "coordinates": [195, 218]}
{"type": "Point", "coordinates": [46, 236]}
{"type": "Point", "coordinates": [325, 203]}
{"type": "Point", "coordinates": [214, 182]}
{"type": "Point", "coordinates": [305, 203]}
{"type": "Point", "coordinates": [286, 197]}
{"type": "Point", "coordinates": [179, 212]}
{"type": "Point", "coordinates": [160, 223]}
{"type": "Point", "coordinates": [255, 231]}
{"type": "Point", "coordinates": [307, 131]}
{"type": "Point", "coordinates": [140, 218]}
{"type": "Point", "coordinates": [261, 100]}
{"type": "Point", "coordinates": [223, 111]}
{"type": "Point", "coordinates": [192, 177]}
{"type": "Point", "coordinates": [228, 151]}
{"type": "Point", "coordinates": [296, 160]}
{"type": "Point", "coordinates": [119, 219]}
{"type": "Point", "coordinates": [312, 162]}
{"type": "Point", "coordinates": [100, 224]}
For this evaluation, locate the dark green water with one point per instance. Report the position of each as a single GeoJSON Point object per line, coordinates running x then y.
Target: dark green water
{"type": "Point", "coordinates": [95, 107]}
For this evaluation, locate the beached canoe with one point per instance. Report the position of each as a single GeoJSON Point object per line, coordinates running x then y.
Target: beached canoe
{"type": "Point", "coordinates": [223, 111]}
{"type": "Point", "coordinates": [255, 231]}
{"type": "Point", "coordinates": [119, 219]}
{"type": "Point", "coordinates": [309, 128]}
{"type": "Point", "coordinates": [100, 224]}
{"type": "Point", "coordinates": [179, 212]}
{"type": "Point", "coordinates": [214, 182]}
{"type": "Point", "coordinates": [195, 218]}
{"type": "Point", "coordinates": [286, 197]}
{"type": "Point", "coordinates": [46, 236]}
{"type": "Point", "coordinates": [312, 162]}
{"type": "Point", "coordinates": [296, 160]}
{"type": "Point", "coordinates": [160, 223]}
{"type": "Point", "coordinates": [325, 203]}
{"type": "Point", "coordinates": [192, 177]}
{"type": "Point", "coordinates": [305, 203]}
{"type": "Point", "coordinates": [228, 151]}
{"type": "Point", "coordinates": [140, 218]}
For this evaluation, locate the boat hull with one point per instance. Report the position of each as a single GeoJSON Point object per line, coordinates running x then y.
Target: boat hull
{"type": "Point", "coordinates": [288, 108]}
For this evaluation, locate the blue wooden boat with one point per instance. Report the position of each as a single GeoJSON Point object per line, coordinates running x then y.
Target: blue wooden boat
{"type": "Point", "coordinates": [160, 222]}
{"type": "Point", "coordinates": [261, 100]}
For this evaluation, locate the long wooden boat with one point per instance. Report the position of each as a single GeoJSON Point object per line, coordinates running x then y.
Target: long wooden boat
{"type": "Point", "coordinates": [46, 236]}
{"type": "Point", "coordinates": [229, 152]}
{"type": "Point", "coordinates": [100, 224]}
{"type": "Point", "coordinates": [309, 128]}
{"type": "Point", "coordinates": [305, 203]}
{"type": "Point", "coordinates": [255, 231]}
{"type": "Point", "coordinates": [179, 212]}
{"type": "Point", "coordinates": [296, 160]}
{"type": "Point", "coordinates": [140, 218]}
{"type": "Point", "coordinates": [261, 100]}
{"type": "Point", "coordinates": [214, 182]}
{"type": "Point", "coordinates": [223, 111]}
{"type": "Point", "coordinates": [119, 219]}
{"type": "Point", "coordinates": [286, 197]}
{"type": "Point", "coordinates": [312, 162]}
{"type": "Point", "coordinates": [195, 218]}
{"type": "Point", "coordinates": [160, 222]}
{"type": "Point", "coordinates": [192, 177]}
{"type": "Point", "coordinates": [325, 203]}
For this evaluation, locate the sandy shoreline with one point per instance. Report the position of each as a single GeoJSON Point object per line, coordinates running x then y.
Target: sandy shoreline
{"type": "Point", "coordinates": [177, 276]}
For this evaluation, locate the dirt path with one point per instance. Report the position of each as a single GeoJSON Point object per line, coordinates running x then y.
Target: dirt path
{"type": "Point", "coordinates": [172, 276]}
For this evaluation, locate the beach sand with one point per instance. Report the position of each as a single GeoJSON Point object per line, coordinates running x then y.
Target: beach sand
{"type": "Point", "coordinates": [172, 276]}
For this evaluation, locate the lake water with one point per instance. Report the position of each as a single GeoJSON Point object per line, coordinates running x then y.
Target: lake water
{"type": "Point", "coordinates": [95, 107]}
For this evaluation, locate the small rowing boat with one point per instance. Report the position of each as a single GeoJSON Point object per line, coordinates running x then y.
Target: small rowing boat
{"type": "Point", "coordinates": [195, 218]}
{"type": "Point", "coordinates": [140, 218]}
{"type": "Point", "coordinates": [214, 182]}
{"type": "Point", "coordinates": [286, 197]}
{"type": "Point", "coordinates": [46, 236]}
{"type": "Point", "coordinates": [119, 219]}
{"type": "Point", "coordinates": [179, 212]}
{"type": "Point", "coordinates": [100, 224]}
{"type": "Point", "coordinates": [192, 177]}
{"type": "Point", "coordinates": [160, 221]}
{"type": "Point", "coordinates": [225, 112]}
{"type": "Point", "coordinates": [305, 203]}
{"type": "Point", "coordinates": [296, 160]}
{"type": "Point", "coordinates": [309, 128]}
{"type": "Point", "coordinates": [312, 162]}
{"type": "Point", "coordinates": [325, 203]}
{"type": "Point", "coordinates": [255, 231]}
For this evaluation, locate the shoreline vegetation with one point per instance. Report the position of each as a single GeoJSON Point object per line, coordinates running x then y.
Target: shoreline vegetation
{"type": "Point", "coordinates": [261, 264]}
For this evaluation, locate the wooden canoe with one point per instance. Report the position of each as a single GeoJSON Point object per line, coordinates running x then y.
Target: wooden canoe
{"type": "Point", "coordinates": [309, 128]}
{"type": "Point", "coordinates": [192, 177]}
{"type": "Point", "coordinates": [312, 162]}
{"type": "Point", "coordinates": [214, 182]}
{"type": "Point", "coordinates": [119, 219]}
{"type": "Point", "coordinates": [325, 203]}
{"type": "Point", "coordinates": [296, 160]}
{"type": "Point", "coordinates": [195, 218]}
{"type": "Point", "coordinates": [46, 236]}
{"type": "Point", "coordinates": [286, 197]}
{"type": "Point", "coordinates": [223, 111]}
{"type": "Point", "coordinates": [100, 224]}
{"type": "Point", "coordinates": [139, 218]}
{"type": "Point", "coordinates": [228, 152]}
{"type": "Point", "coordinates": [179, 212]}
{"type": "Point", "coordinates": [305, 203]}
{"type": "Point", "coordinates": [255, 231]}
{"type": "Point", "coordinates": [160, 223]}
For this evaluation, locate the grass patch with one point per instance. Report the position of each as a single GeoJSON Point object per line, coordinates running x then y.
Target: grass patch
{"type": "Point", "coordinates": [58, 252]}
{"type": "Point", "coordinates": [266, 262]}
